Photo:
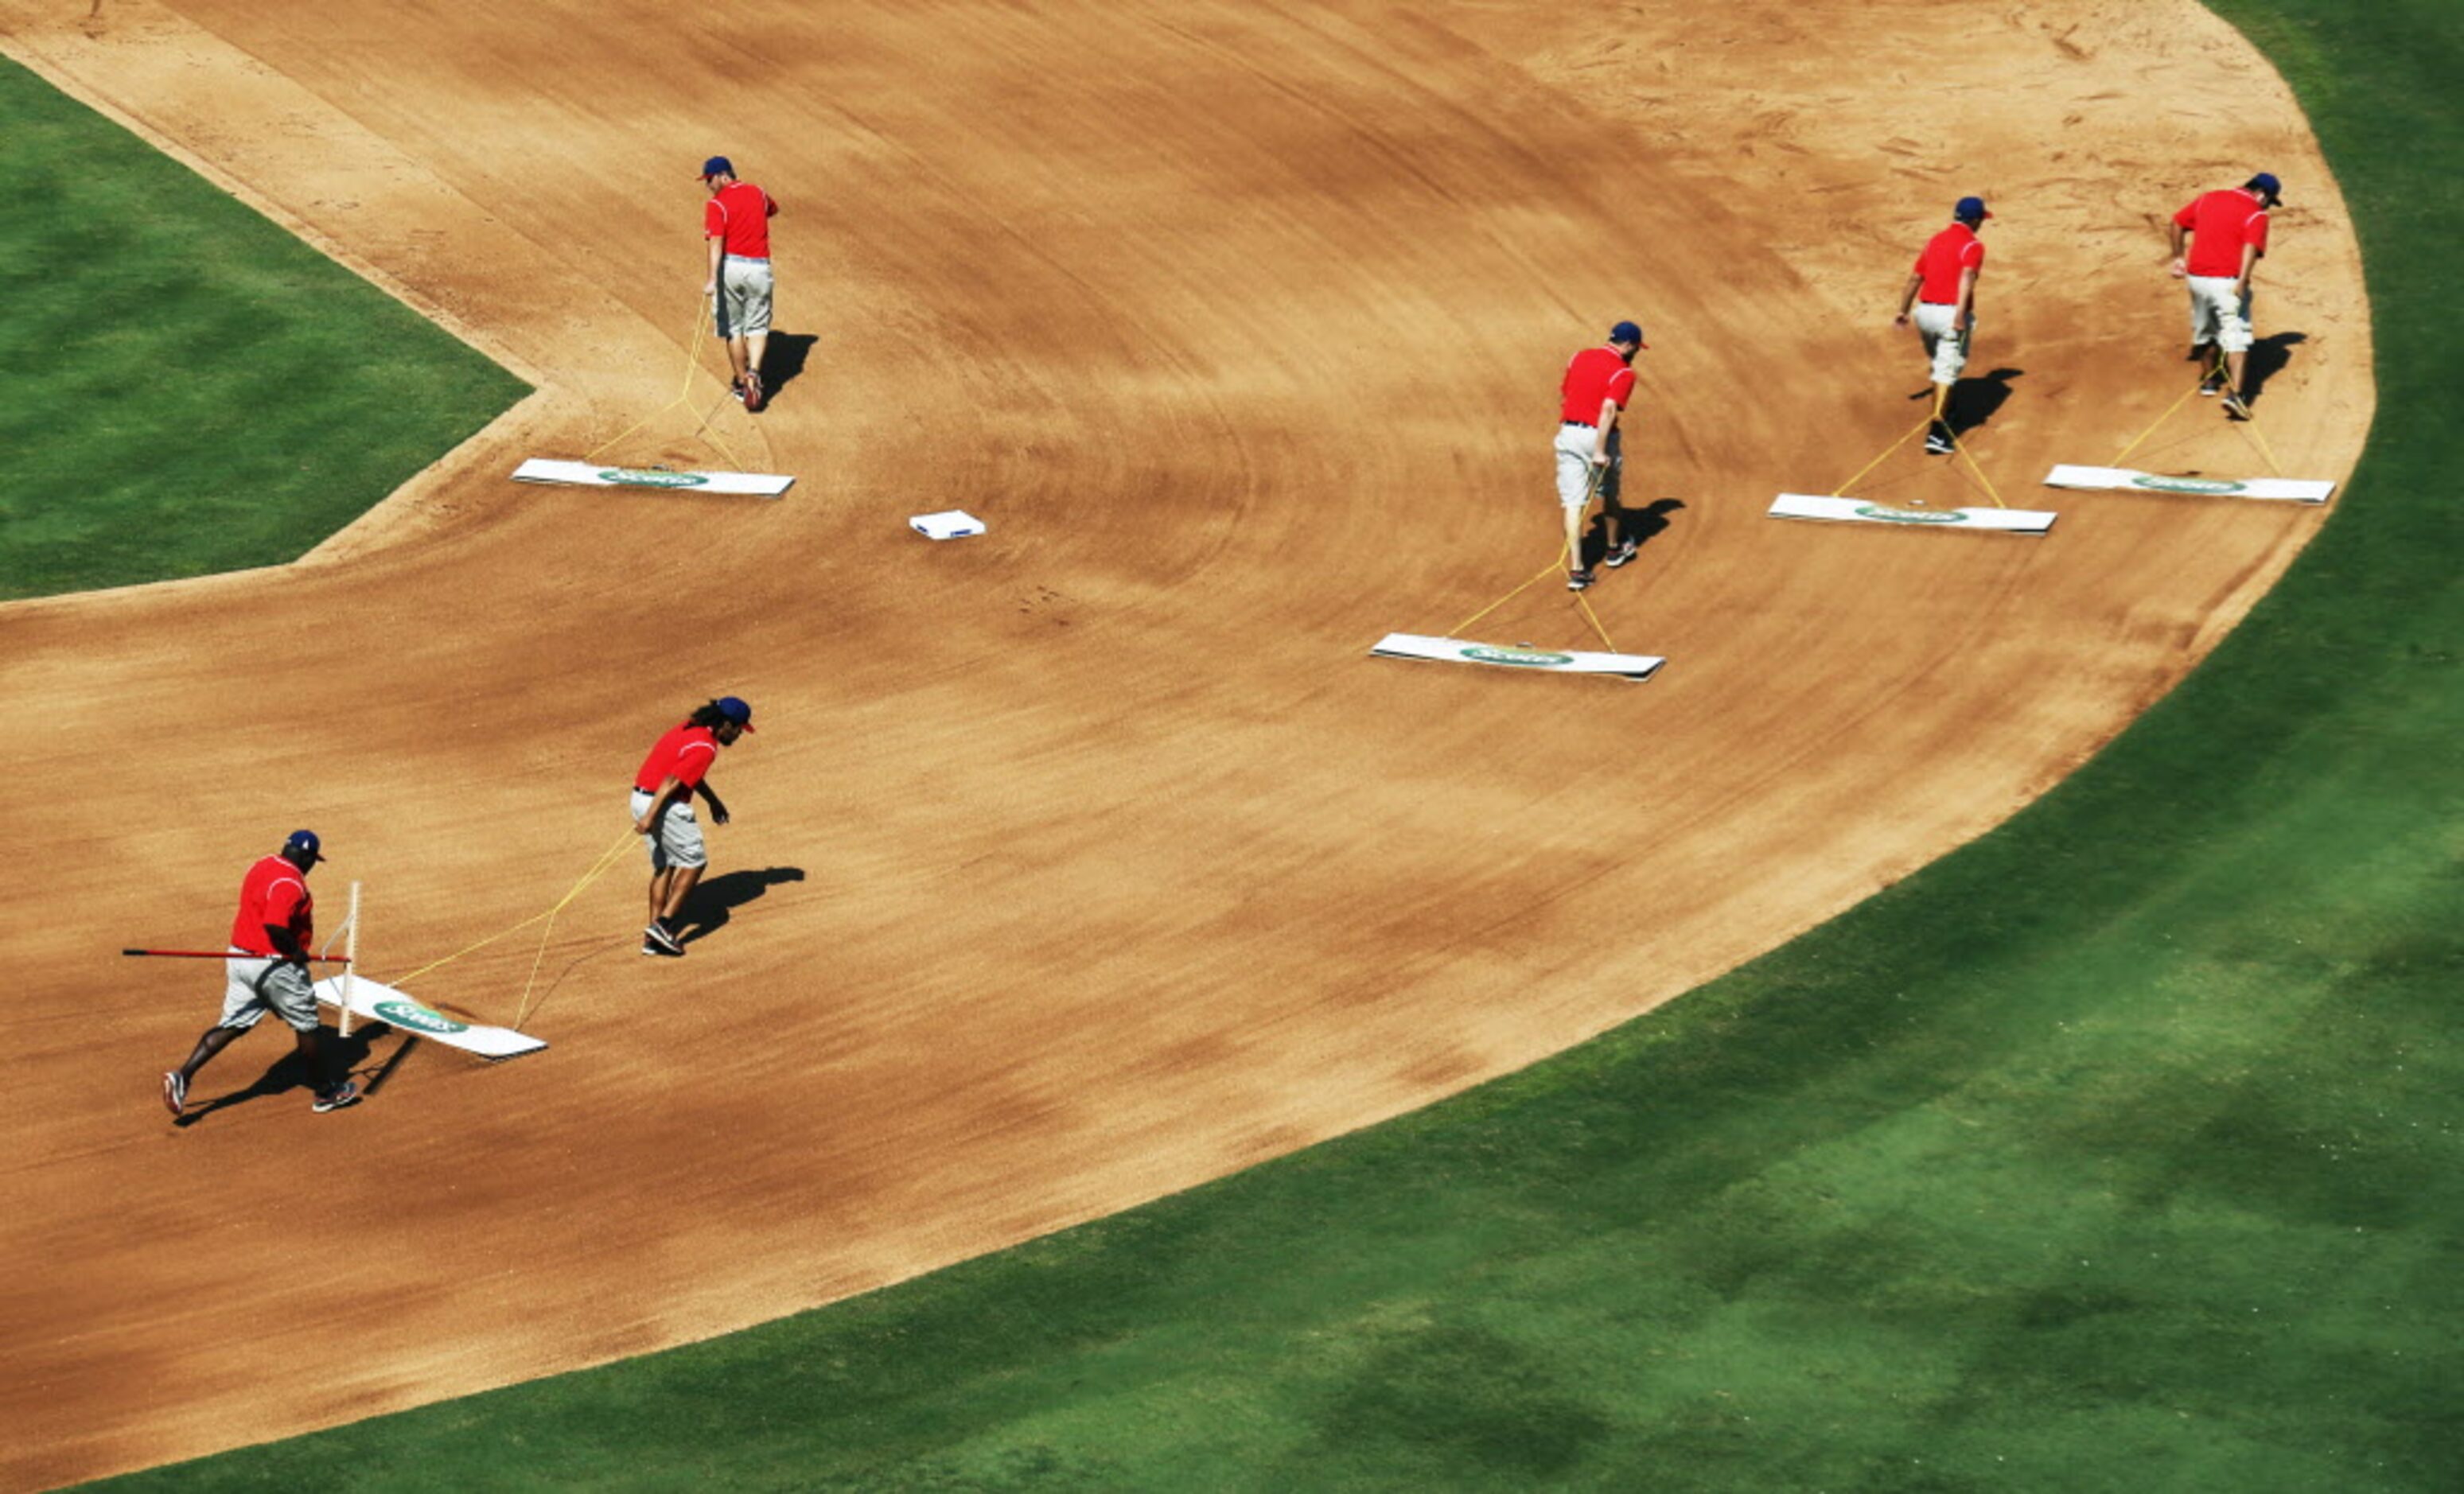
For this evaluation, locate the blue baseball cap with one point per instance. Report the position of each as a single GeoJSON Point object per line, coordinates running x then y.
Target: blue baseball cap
{"type": "Point", "coordinates": [305, 840]}
{"type": "Point", "coordinates": [1970, 210]}
{"type": "Point", "coordinates": [718, 165]}
{"type": "Point", "coordinates": [1627, 332]}
{"type": "Point", "coordinates": [2266, 182]}
{"type": "Point", "coordinates": [731, 709]}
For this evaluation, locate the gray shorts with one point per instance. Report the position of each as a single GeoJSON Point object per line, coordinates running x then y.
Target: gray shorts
{"type": "Point", "coordinates": [1576, 487]}
{"type": "Point", "coordinates": [676, 840]}
{"type": "Point", "coordinates": [744, 296]}
{"type": "Point", "coordinates": [255, 985]}
{"type": "Point", "coordinates": [1945, 348]}
{"type": "Point", "coordinates": [2218, 315]}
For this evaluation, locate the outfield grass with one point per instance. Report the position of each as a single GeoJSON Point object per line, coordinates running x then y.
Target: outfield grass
{"type": "Point", "coordinates": [184, 387]}
{"type": "Point", "coordinates": [2123, 1150]}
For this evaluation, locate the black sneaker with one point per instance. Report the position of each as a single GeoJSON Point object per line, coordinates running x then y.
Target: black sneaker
{"type": "Point", "coordinates": [1621, 555]}
{"type": "Point", "coordinates": [1938, 445]}
{"type": "Point", "coordinates": [663, 952]}
{"type": "Point", "coordinates": [658, 934]}
{"type": "Point", "coordinates": [1579, 581]}
{"type": "Point", "coordinates": [2213, 386]}
{"type": "Point", "coordinates": [2234, 405]}
{"type": "Point", "coordinates": [347, 1093]}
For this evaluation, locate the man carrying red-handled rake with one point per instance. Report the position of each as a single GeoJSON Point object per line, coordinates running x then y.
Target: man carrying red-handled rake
{"type": "Point", "coordinates": [267, 971]}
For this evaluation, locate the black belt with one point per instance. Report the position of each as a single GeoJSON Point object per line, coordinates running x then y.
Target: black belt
{"type": "Point", "coordinates": [1937, 303]}
{"type": "Point", "coordinates": [1585, 424]}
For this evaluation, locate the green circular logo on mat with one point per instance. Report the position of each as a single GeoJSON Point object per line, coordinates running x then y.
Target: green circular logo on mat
{"type": "Point", "coordinates": [651, 478]}
{"type": "Point", "coordinates": [1521, 658]}
{"type": "Point", "coordinates": [1891, 516]}
{"type": "Point", "coordinates": [417, 1018]}
{"type": "Point", "coordinates": [2186, 484]}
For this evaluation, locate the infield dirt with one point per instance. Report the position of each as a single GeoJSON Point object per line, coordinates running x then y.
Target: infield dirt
{"type": "Point", "coordinates": [1092, 859]}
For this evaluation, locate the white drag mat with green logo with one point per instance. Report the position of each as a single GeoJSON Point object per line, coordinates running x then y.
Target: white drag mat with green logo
{"type": "Point", "coordinates": [1858, 510]}
{"type": "Point", "coordinates": [2106, 479]}
{"type": "Point", "coordinates": [592, 474]}
{"type": "Point", "coordinates": [372, 1002]}
{"type": "Point", "coordinates": [1518, 656]}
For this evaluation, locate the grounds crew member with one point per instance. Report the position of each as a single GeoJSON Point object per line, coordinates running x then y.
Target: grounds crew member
{"type": "Point", "coordinates": [2226, 230]}
{"type": "Point", "coordinates": [1943, 287]}
{"type": "Point", "coordinates": [1591, 453]}
{"type": "Point", "coordinates": [663, 794]}
{"type": "Point", "coordinates": [268, 971]}
{"type": "Point", "coordinates": [736, 223]}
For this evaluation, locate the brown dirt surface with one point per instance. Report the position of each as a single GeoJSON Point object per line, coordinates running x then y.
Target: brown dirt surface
{"type": "Point", "coordinates": [1083, 861]}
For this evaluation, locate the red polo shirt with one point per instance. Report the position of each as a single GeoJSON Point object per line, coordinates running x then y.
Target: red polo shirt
{"type": "Point", "coordinates": [738, 214]}
{"type": "Point", "coordinates": [2222, 224]}
{"type": "Point", "coordinates": [1595, 374]}
{"type": "Point", "coordinates": [273, 891]}
{"type": "Point", "coordinates": [686, 753]}
{"type": "Point", "coordinates": [1946, 255]}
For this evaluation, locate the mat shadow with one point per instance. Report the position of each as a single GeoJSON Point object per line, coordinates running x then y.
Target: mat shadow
{"type": "Point", "coordinates": [716, 899]}
{"type": "Point", "coordinates": [385, 1070]}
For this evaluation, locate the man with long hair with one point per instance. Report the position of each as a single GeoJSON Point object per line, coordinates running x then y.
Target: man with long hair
{"type": "Point", "coordinates": [677, 769]}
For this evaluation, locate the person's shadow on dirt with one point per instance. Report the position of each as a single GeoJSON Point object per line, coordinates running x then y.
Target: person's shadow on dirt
{"type": "Point", "coordinates": [1640, 525]}
{"type": "Point", "coordinates": [2267, 357]}
{"type": "Point", "coordinates": [783, 360]}
{"type": "Point", "coordinates": [287, 1074]}
{"type": "Point", "coordinates": [712, 901]}
{"type": "Point", "coordinates": [1973, 402]}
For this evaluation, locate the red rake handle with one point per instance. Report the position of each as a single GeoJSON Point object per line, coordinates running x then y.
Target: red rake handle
{"type": "Point", "coordinates": [314, 960]}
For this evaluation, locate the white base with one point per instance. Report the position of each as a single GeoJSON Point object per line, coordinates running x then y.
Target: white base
{"type": "Point", "coordinates": [948, 525]}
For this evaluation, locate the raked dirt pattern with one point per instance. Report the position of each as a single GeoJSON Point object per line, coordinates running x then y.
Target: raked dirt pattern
{"type": "Point", "coordinates": [1088, 860]}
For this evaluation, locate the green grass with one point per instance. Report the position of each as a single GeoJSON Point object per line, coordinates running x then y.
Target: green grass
{"type": "Point", "coordinates": [2123, 1150]}
{"type": "Point", "coordinates": [184, 387]}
